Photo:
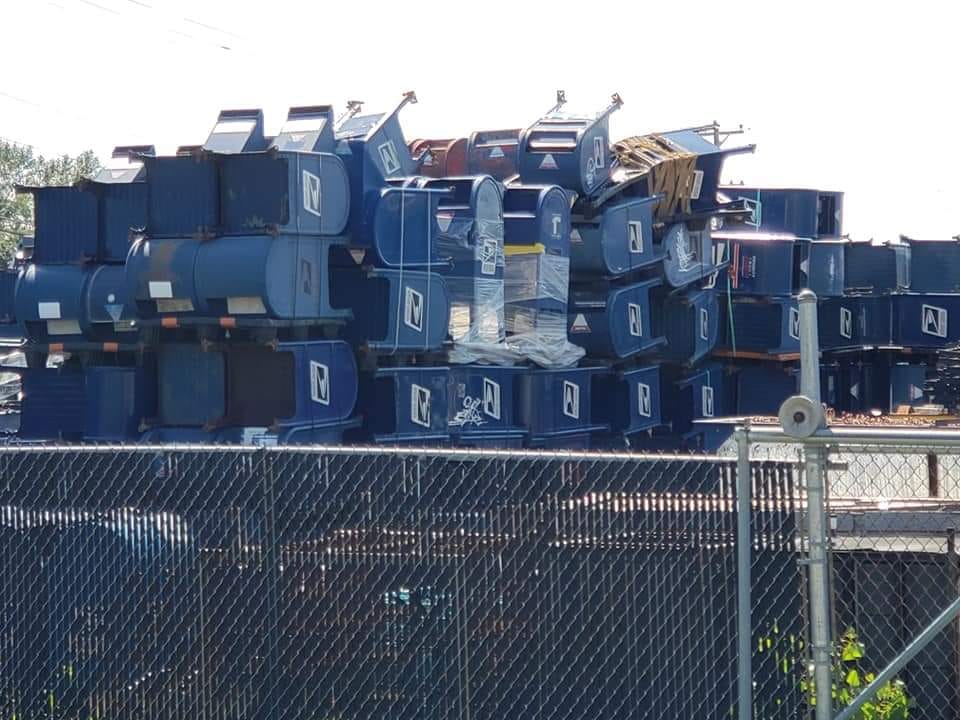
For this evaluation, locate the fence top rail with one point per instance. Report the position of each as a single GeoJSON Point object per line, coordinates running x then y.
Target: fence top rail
{"type": "Point", "coordinates": [370, 450]}
{"type": "Point", "coordinates": [878, 439]}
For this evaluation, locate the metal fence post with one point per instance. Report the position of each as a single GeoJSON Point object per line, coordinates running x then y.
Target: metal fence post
{"type": "Point", "coordinates": [744, 637]}
{"type": "Point", "coordinates": [815, 460]}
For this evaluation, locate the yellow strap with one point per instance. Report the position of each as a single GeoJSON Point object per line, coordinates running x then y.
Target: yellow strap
{"type": "Point", "coordinates": [535, 249]}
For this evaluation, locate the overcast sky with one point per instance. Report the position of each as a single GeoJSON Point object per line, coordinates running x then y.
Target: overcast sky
{"type": "Point", "coordinates": [851, 96]}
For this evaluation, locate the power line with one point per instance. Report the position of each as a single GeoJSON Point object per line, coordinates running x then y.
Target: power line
{"type": "Point", "coordinates": [172, 31]}
{"type": "Point", "coordinates": [100, 7]}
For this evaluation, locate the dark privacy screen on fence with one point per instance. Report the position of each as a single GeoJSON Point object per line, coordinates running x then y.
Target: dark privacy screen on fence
{"type": "Point", "coordinates": [379, 584]}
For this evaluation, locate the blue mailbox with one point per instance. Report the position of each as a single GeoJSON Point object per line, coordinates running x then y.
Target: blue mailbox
{"type": "Point", "coordinates": [481, 406]}
{"type": "Point", "coordinates": [394, 311]}
{"type": "Point", "coordinates": [92, 220]}
{"type": "Point", "coordinates": [98, 403]}
{"type": "Point", "coordinates": [288, 393]}
{"type": "Point", "coordinates": [616, 241]}
{"type": "Point", "coordinates": [309, 128]}
{"type": "Point", "coordinates": [537, 215]}
{"type": "Point", "coordinates": [237, 131]}
{"type": "Point", "coordinates": [825, 268]}
{"type": "Point", "coordinates": [9, 327]}
{"type": "Point", "coordinates": [854, 322]}
{"type": "Point", "coordinates": [160, 277]}
{"type": "Point", "coordinates": [870, 268]}
{"type": "Point", "coordinates": [830, 214]}
{"type": "Point", "coordinates": [614, 322]}
{"type": "Point", "coordinates": [65, 224]}
{"type": "Point", "coordinates": [69, 304]}
{"type": "Point", "coordinates": [840, 324]}
{"type": "Point", "coordinates": [806, 213]}
{"type": "Point", "coordinates": [760, 325]}
{"type": "Point", "coordinates": [709, 163]}
{"type": "Point", "coordinates": [925, 321]}
{"type": "Point", "coordinates": [53, 405]}
{"type": "Point", "coordinates": [791, 211]}
{"type": "Point", "coordinates": [118, 400]}
{"type": "Point", "coordinates": [690, 255]}
{"type": "Point", "coordinates": [125, 165]}
{"type": "Point", "coordinates": [536, 249]}
{"type": "Point", "coordinates": [494, 152]}
{"type": "Point", "coordinates": [691, 324]}
{"type": "Point", "coordinates": [862, 386]}
{"type": "Point", "coordinates": [929, 266]}
{"type": "Point", "coordinates": [191, 386]}
{"type": "Point", "coordinates": [762, 387]}
{"type": "Point", "coordinates": [405, 405]}
{"type": "Point", "coordinates": [206, 194]}
{"type": "Point", "coordinates": [628, 400]}
{"type": "Point", "coordinates": [568, 150]}
{"type": "Point", "coordinates": [374, 151]}
{"type": "Point", "coordinates": [556, 407]}
{"type": "Point", "coordinates": [766, 263]}
{"type": "Point", "coordinates": [908, 383]}
{"type": "Point", "coordinates": [698, 395]}
{"type": "Point", "coordinates": [255, 279]}
{"type": "Point", "coordinates": [283, 278]}
{"type": "Point", "coordinates": [470, 237]}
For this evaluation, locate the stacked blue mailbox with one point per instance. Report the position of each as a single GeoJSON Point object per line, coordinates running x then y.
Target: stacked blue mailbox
{"type": "Point", "coordinates": [875, 301]}
{"type": "Point", "coordinates": [787, 243]}
{"type": "Point", "coordinates": [238, 249]}
{"type": "Point", "coordinates": [313, 288]}
{"type": "Point", "coordinates": [70, 296]}
{"type": "Point", "coordinates": [635, 290]}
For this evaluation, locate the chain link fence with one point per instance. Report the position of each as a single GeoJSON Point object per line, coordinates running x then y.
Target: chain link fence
{"type": "Point", "coordinates": [894, 512]}
{"type": "Point", "coordinates": [377, 583]}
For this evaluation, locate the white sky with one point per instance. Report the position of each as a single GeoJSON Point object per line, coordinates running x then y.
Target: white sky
{"type": "Point", "coordinates": [853, 96]}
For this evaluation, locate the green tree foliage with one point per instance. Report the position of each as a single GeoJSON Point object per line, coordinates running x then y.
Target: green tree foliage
{"type": "Point", "coordinates": [20, 165]}
{"type": "Point", "coordinates": [850, 678]}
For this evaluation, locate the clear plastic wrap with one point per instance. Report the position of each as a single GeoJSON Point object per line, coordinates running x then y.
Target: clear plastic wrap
{"type": "Point", "coordinates": [536, 288]}
{"type": "Point", "coordinates": [535, 277]}
{"type": "Point", "coordinates": [541, 337]}
{"type": "Point", "coordinates": [476, 286]}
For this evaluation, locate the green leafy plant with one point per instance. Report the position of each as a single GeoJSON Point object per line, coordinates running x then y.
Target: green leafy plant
{"type": "Point", "coordinates": [850, 678]}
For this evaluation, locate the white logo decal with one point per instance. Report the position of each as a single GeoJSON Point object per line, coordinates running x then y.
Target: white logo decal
{"type": "Point", "coordinates": [704, 324]}
{"type": "Point", "coordinates": [488, 257]}
{"type": "Point", "coordinates": [643, 400]}
{"type": "Point", "coordinates": [420, 405]}
{"type": "Point", "coordinates": [846, 323]}
{"type": "Point", "coordinates": [636, 322]}
{"type": "Point", "coordinates": [707, 400]}
{"type": "Point", "coordinates": [319, 383]}
{"type": "Point", "coordinates": [491, 398]}
{"type": "Point", "coordinates": [795, 323]}
{"type": "Point", "coordinates": [497, 152]}
{"type": "Point", "coordinates": [389, 158]}
{"type": "Point", "coordinates": [413, 309]}
{"type": "Point", "coordinates": [311, 193]}
{"type": "Point", "coordinates": [571, 400]}
{"type": "Point", "coordinates": [580, 324]}
{"type": "Point", "coordinates": [934, 321]}
{"type": "Point", "coordinates": [697, 184]}
{"type": "Point", "coordinates": [548, 163]}
{"type": "Point", "coordinates": [556, 220]}
{"type": "Point", "coordinates": [635, 236]}
{"type": "Point", "coordinates": [598, 153]}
